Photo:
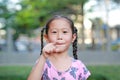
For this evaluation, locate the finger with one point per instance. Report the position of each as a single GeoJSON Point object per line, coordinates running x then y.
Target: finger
{"type": "Point", "coordinates": [57, 50]}
{"type": "Point", "coordinates": [50, 49]}
{"type": "Point", "coordinates": [54, 44]}
{"type": "Point", "coordinates": [46, 51]}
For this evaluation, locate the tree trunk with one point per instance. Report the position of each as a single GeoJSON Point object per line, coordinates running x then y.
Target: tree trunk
{"type": "Point", "coordinates": [82, 21]}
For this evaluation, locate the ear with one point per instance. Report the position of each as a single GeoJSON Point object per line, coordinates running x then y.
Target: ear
{"type": "Point", "coordinates": [74, 37]}
{"type": "Point", "coordinates": [46, 38]}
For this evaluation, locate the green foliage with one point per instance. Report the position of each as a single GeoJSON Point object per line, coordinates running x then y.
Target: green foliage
{"type": "Point", "coordinates": [34, 13]}
{"type": "Point", "coordinates": [3, 9]}
{"type": "Point", "coordinates": [115, 47]}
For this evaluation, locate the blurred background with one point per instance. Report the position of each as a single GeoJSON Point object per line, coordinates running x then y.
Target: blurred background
{"type": "Point", "coordinates": [98, 27]}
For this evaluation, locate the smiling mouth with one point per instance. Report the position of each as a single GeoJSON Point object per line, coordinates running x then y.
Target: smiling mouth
{"type": "Point", "coordinates": [60, 44]}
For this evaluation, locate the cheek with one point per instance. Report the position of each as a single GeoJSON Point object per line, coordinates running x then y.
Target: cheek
{"type": "Point", "coordinates": [68, 39]}
{"type": "Point", "coordinates": [52, 39]}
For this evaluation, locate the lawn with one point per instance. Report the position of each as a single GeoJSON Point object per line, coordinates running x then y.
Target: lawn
{"type": "Point", "coordinates": [98, 72]}
{"type": "Point", "coordinates": [105, 72]}
{"type": "Point", "coordinates": [14, 72]}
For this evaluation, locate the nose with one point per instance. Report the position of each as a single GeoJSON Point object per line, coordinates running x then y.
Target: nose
{"type": "Point", "coordinates": [59, 36]}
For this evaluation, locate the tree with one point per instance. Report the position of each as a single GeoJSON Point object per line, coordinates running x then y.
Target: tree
{"type": "Point", "coordinates": [109, 6]}
{"type": "Point", "coordinates": [6, 17]}
{"type": "Point", "coordinates": [27, 19]}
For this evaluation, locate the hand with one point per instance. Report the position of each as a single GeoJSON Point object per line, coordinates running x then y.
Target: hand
{"type": "Point", "coordinates": [49, 49]}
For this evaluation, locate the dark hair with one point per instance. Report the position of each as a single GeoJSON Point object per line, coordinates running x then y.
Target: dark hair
{"type": "Point", "coordinates": [74, 30]}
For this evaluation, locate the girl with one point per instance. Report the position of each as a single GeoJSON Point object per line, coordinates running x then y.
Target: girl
{"type": "Point", "coordinates": [54, 62]}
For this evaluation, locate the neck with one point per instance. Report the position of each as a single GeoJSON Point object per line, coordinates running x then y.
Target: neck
{"type": "Point", "coordinates": [60, 56]}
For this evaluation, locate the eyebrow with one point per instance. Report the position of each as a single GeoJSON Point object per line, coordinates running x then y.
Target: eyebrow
{"type": "Point", "coordinates": [61, 29]}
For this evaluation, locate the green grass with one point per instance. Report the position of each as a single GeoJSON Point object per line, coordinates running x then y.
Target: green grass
{"type": "Point", "coordinates": [104, 72]}
{"type": "Point", "coordinates": [14, 72]}
{"type": "Point", "coordinates": [98, 72]}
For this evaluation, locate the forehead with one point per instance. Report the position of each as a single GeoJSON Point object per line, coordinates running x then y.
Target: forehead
{"type": "Point", "coordinates": [59, 23]}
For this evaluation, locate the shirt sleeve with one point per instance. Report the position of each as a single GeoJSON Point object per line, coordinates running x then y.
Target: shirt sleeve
{"type": "Point", "coordinates": [84, 72]}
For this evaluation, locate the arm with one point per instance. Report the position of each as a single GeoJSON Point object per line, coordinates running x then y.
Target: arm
{"type": "Point", "coordinates": [36, 73]}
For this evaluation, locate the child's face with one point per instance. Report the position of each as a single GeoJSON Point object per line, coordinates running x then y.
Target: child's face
{"type": "Point", "coordinates": [60, 33]}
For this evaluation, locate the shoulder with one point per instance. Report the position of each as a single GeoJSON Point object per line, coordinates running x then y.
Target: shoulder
{"type": "Point", "coordinates": [81, 68]}
{"type": "Point", "coordinates": [78, 63]}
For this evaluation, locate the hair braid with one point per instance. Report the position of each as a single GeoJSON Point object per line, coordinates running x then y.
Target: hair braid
{"type": "Point", "coordinates": [75, 45]}
{"type": "Point", "coordinates": [42, 45]}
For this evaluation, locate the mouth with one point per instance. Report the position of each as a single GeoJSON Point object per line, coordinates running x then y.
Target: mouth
{"type": "Point", "coordinates": [60, 44]}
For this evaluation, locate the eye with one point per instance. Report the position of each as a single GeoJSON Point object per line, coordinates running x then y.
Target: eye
{"type": "Point", "coordinates": [65, 32]}
{"type": "Point", "coordinates": [54, 31]}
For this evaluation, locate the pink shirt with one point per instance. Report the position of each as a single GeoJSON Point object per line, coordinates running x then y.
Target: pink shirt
{"type": "Point", "coordinates": [77, 71]}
